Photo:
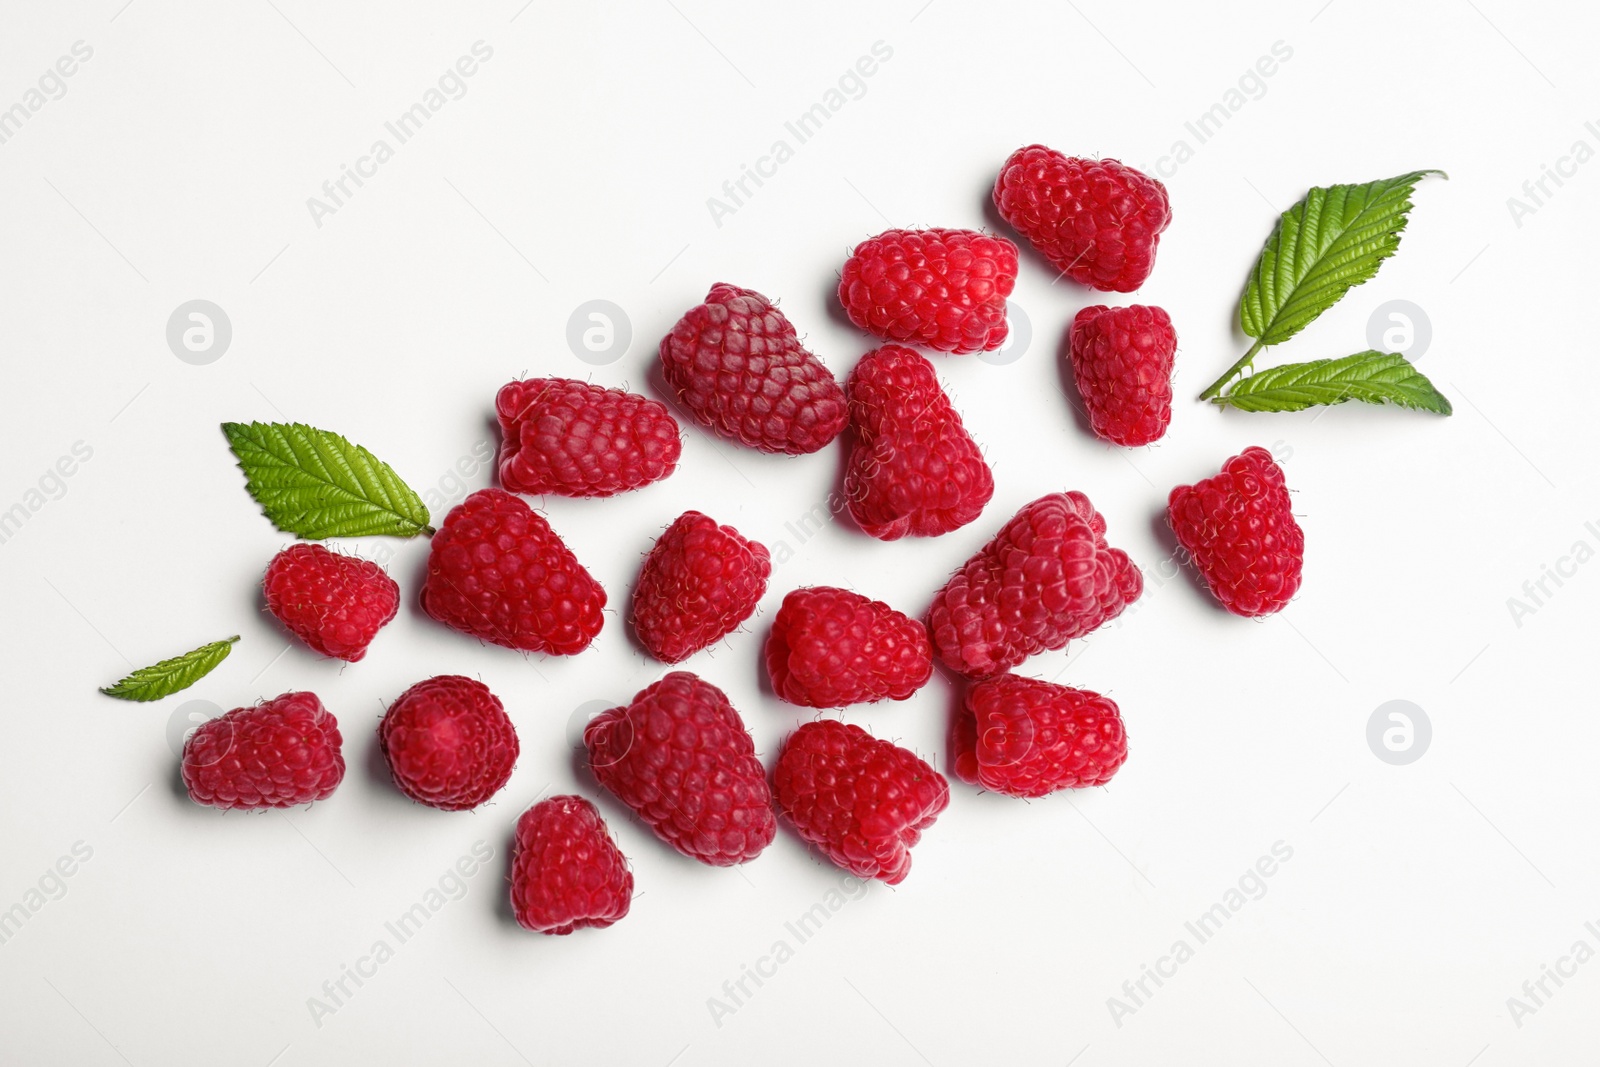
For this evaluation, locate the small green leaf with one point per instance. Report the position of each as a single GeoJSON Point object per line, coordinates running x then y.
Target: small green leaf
{"type": "Point", "coordinates": [315, 484]}
{"type": "Point", "coordinates": [171, 675]}
{"type": "Point", "coordinates": [1333, 240]}
{"type": "Point", "coordinates": [1371, 377]}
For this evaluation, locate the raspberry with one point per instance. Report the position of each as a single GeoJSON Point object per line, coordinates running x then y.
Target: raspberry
{"type": "Point", "coordinates": [736, 364]}
{"type": "Point", "coordinates": [831, 647]}
{"type": "Point", "coordinates": [945, 289]}
{"type": "Point", "coordinates": [498, 572]}
{"type": "Point", "coordinates": [914, 469]}
{"type": "Point", "coordinates": [274, 755]}
{"type": "Point", "coordinates": [335, 604]}
{"type": "Point", "coordinates": [1046, 578]}
{"type": "Point", "coordinates": [1238, 527]}
{"type": "Point", "coordinates": [1096, 221]}
{"type": "Point", "coordinates": [567, 872]}
{"type": "Point", "coordinates": [862, 802]}
{"type": "Point", "coordinates": [575, 439]}
{"type": "Point", "coordinates": [448, 742]}
{"type": "Point", "coordinates": [1027, 738]}
{"type": "Point", "coordinates": [680, 757]}
{"type": "Point", "coordinates": [1122, 361]}
{"type": "Point", "coordinates": [698, 583]}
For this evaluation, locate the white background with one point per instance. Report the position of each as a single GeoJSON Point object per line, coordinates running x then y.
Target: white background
{"type": "Point", "coordinates": [577, 166]}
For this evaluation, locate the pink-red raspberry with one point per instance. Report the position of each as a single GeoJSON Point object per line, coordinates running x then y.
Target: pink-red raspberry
{"type": "Point", "coordinates": [945, 289]}
{"type": "Point", "coordinates": [831, 647]}
{"type": "Point", "coordinates": [1096, 220]}
{"type": "Point", "coordinates": [698, 583]}
{"type": "Point", "coordinates": [737, 366]}
{"type": "Point", "coordinates": [681, 758]}
{"type": "Point", "coordinates": [1046, 578]}
{"type": "Point", "coordinates": [498, 572]}
{"type": "Point", "coordinates": [448, 742]}
{"type": "Point", "coordinates": [274, 755]}
{"type": "Point", "coordinates": [575, 439]}
{"type": "Point", "coordinates": [1027, 738]}
{"type": "Point", "coordinates": [1122, 362]}
{"type": "Point", "coordinates": [1240, 530]}
{"type": "Point", "coordinates": [567, 872]}
{"type": "Point", "coordinates": [914, 468]}
{"type": "Point", "coordinates": [862, 802]}
{"type": "Point", "coordinates": [335, 604]}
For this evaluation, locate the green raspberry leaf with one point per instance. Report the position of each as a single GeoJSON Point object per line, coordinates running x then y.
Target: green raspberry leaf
{"type": "Point", "coordinates": [1371, 377]}
{"type": "Point", "coordinates": [1328, 243]}
{"type": "Point", "coordinates": [315, 484]}
{"type": "Point", "coordinates": [171, 675]}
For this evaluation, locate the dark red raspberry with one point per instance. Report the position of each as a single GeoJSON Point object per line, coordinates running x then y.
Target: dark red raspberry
{"type": "Point", "coordinates": [862, 802]}
{"type": "Point", "coordinates": [914, 468]}
{"type": "Point", "coordinates": [737, 366]}
{"type": "Point", "coordinates": [831, 647]}
{"type": "Point", "coordinates": [1096, 220]}
{"type": "Point", "coordinates": [1239, 528]}
{"type": "Point", "coordinates": [567, 872]}
{"type": "Point", "coordinates": [1027, 738]}
{"type": "Point", "coordinates": [698, 583]}
{"type": "Point", "coordinates": [498, 572]}
{"type": "Point", "coordinates": [575, 439]}
{"type": "Point", "coordinates": [681, 758]}
{"type": "Point", "coordinates": [274, 755]}
{"type": "Point", "coordinates": [1122, 362]}
{"type": "Point", "coordinates": [448, 742]}
{"type": "Point", "coordinates": [1046, 578]}
{"type": "Point", "coordinates": [945, 289]}
{"type": "Point", "coordinates": [335, 604]}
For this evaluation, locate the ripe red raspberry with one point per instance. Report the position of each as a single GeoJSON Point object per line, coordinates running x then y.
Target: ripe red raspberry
{"type": "Point", "coordinates": [1046, 578]}
{"type": "Point", "coordinates": [335, 604]}
{"type": "Point", "coordinates": [274, 755]}
{"type": "Point", "coordinates": [575, 439]}
{"type": "Point", "coordinates": [448, 742]}
{"type": "Point", "coordinates": [498, 572]}
{"type": "Point", "coordinates": [831, 647]}
{"type": "Point", "coordinates": [680, 757]}
{"type": "Point", "coordinates": [1096, 220]}
{"type": "Point", "coordinates": [567, 872]}
{"type": "Point", "coordinates": [736, 364]}
{"type": "Point", "coordinates": [862, 802]}
{"type": "Point", "coordinates": [1027, 738]}
{"type": "Point", "coordinates": [1122, 361]}
{"type": "Point", "coordinates": [698, 583]}
{"type": "Point", "coordinates": [914, 468]}
{"type": "Point", "coordinates": [945, 289]}
{"type": "Point", "coordinates": [1239, 528]}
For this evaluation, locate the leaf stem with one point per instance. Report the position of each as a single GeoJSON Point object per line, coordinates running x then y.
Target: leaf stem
{"type": "Point", "coordinates": [1233, 372]}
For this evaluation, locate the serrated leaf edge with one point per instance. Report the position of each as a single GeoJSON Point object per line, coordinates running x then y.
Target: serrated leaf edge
{"type": "Point", "coordinates": [187, 668]}
{"type": "Point", "coordinates": [1384, 222]}
{"type": "Point", "coordinates": [1292, 385]}
{"type": "Point", "coordinates": [386, 492]}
